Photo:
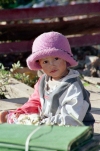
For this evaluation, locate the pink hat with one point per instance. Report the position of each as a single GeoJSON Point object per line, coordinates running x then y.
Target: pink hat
{"type": "Point", "coordinates": [50, 44]}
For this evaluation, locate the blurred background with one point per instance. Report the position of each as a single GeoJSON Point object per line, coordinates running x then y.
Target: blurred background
{"type": "Point", "coordinates": [9, 4]}
{"type": "Point", "coordinates": [88, 56]}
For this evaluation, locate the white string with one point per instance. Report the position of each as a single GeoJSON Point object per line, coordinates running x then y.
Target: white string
{"type": "Point", "coordinates": [76, 119]}
{"type": "Point", "coordinates": [29, 137]}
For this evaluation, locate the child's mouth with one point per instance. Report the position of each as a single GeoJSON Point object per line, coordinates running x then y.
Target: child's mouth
{"type": "Point", "coordinates": [53, 71]}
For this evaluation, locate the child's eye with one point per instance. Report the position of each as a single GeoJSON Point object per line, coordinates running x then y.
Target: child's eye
{"type": "Point", "coordinates": [56, 58]}
{"type": "Point", "coordinates": [45, 62]}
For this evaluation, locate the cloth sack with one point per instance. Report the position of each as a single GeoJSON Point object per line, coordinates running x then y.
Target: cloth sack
{"type": "Point", "coordinates": [45, 138]}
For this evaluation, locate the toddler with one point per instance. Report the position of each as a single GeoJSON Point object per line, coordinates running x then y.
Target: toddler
{"type": "Point", "coordinates": [59, 96]}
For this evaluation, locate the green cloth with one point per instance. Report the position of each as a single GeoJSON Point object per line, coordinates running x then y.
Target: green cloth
{"type": "Point", "coordinates": [47, 138]}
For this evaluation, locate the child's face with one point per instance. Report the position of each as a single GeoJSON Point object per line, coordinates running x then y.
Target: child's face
{"type": "Point", "coordinates": [54, 67]}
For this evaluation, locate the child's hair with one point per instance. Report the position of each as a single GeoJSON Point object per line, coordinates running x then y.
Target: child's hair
{"type": "Point", "coordinates": [50, 44]}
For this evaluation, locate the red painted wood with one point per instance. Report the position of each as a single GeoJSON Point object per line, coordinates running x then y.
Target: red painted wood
{"type": "Point", "coordinates": [25, 46]}
{"type": "Point", "coordinates": [15, 47]}
{"type": "Point", "coordinates": [87, 40]}
{"type": "Point", "coordinates": [30, 31]}
{"type": "Point", "coordinates": [50, 12]}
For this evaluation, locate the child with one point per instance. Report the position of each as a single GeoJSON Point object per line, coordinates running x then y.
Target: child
{"type": "Point", "coordinates": [59, 96]}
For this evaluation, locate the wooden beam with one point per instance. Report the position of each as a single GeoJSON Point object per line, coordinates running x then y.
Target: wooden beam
{"type": "Point", "coordinates": [50, 12]}
{"type": "Point", "coordinates": [26, 46]}
{"type": "Point", "coordinates": [15, 47]}
{"type": "Point", "coordinates": [87, 40]}
{"type": "Point", "coordinates": [92, 80]}
{"type": "Point", "coordinates": [30, 31]}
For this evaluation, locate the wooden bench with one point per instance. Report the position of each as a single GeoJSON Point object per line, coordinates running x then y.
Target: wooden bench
{"type": "Point", "coordinates": [79, 22]}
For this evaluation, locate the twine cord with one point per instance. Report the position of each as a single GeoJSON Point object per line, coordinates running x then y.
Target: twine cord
{"type": "Point", "coordinates": [29, 137]}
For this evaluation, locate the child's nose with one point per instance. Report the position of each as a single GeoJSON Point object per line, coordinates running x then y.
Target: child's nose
{"type": "Point", "coordinates": [52, 63]}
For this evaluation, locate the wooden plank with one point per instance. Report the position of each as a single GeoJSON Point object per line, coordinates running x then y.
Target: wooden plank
{"type": "Point", "coordinates": [15, 47]}
{"type": "Point", "coordinates": [87, 40]}
{"type": "Point", "coordinates": [92, 80]}
{"type": "Point", "coordinates": [11, 104]}
{"type": "Point", "coordinates": [17, 89]}
{"type": "Point", "coordinates": [30, 31]}
{"type": "Point", "coordinates": [25, 46]}
{"type": "Point", "coordinates": [50, 12]}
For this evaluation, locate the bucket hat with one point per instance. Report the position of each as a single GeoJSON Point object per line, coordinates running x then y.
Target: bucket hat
{"type": "Point", "coordinates": [50, 44]}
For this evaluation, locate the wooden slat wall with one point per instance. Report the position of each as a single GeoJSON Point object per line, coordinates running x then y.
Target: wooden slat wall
{"type": "Point", "coordinates": [50, 12]}
{"type": "Point", "coordinates": [80, 32]}
{"type": "Point", "coordinates": [26, 46]}
{"type": "Point", "coordinates": [30, 31]}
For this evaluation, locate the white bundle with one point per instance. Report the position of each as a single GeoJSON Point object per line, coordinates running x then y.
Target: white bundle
{"type": "Point", "coordinates": [28, 119]}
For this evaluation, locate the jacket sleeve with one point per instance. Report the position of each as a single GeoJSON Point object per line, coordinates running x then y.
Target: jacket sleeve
{"type": "Point", "coordinates": [74, 107]}
{"type": "Point", "coordinates": [33, 104]}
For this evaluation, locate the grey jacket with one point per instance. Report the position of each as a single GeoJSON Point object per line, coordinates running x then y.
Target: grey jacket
{"type": "Point", "coordinates": [67, 104]}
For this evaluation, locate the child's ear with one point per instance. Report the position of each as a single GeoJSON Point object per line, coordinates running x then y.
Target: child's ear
{"type": "Point", "coordinates": [37, 61]}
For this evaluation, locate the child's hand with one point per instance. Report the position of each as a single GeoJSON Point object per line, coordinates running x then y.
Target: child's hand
{"type": "Point", "coordinates": [3, 116]}
{"type": "Point", "coordinates": [12, 117]}
{"type": "Point", "coordinates": [17, 115]}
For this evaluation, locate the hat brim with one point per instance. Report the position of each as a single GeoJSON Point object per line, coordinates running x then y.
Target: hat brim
{"type": "Point", "coordinates": [34, 65]}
